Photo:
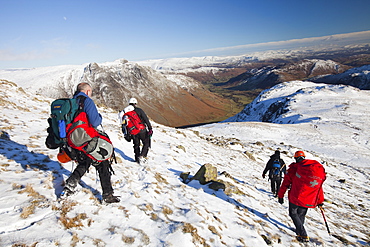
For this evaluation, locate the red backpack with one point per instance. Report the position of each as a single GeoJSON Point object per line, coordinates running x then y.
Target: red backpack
{"type": "Point", "coordinates": [82, 136]}
{"type": "Point", "coordinates": [306, 190]}
{"type": "Point", "coordinates": [133, 123]}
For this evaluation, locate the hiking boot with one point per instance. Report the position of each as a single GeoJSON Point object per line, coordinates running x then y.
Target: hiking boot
{"type": "Point", "coordinates": [142, 160]}
{"type": "Point", "coordinates": [303, 239]}
{"type": "Point", "coordinates": [66, 192]}
{"type": "Point", "coordinates": [110, 198]}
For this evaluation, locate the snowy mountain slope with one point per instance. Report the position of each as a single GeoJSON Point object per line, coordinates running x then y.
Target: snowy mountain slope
{"type": "Point", "coordinates": [44, 79]}
{"type": "Point", "coordinates": [320, 106]}
{"type": "Point", "coordinates": [157, 208]}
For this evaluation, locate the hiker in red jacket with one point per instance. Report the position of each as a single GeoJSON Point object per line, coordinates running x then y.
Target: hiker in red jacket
{"type": "Point", "coordinates": [305, 179]}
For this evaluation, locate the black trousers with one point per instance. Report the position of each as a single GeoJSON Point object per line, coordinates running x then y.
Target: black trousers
{"type": "Point", "coordinates": [103, 171]}
{"type": "Point", "coordinates": [275, 185]}
{"type": "Point", "coordinates": [144, 138]}
{"type": "Point", "coordinates": [298, 215]}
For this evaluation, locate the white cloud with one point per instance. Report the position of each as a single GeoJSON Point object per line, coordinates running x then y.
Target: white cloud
{"type": "Point", "coordinates": [341, 39]}
{"type": "Point", "coordinates": [48, 49]}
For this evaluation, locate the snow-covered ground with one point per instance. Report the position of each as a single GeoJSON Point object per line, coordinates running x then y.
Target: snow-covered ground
{"type": "Point", "coordinates": [158, 209]}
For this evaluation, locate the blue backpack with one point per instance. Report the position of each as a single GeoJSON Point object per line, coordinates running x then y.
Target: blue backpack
{"type": "Point", "coordinates": [276, 168]}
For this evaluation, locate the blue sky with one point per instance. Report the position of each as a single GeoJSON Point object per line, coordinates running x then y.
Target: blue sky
{"type": "Point", "coordinates": [41, 33]}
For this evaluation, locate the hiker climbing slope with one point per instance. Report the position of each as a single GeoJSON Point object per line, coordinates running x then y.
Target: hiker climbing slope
{"type": "Point", "coordinates": [305, 179]}
{"type": "Point", "coordinates": [84, 162]}
{"type": "Point", "coordinates": [137, 125]}
{"type": "Point", "coordinates": [276, 168]}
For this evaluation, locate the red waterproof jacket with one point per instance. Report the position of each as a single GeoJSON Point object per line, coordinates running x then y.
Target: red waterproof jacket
{"type": "Point", "coordinates": [305, 180]}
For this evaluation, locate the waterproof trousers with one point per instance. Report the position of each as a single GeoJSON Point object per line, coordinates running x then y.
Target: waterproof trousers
{"type": "Point", "coordinates": [144, 138]}
{"type": "Point", "coordinates": [103, 171]}
{"type": "Point", "coordinates": [275, 185]}
{"type": "Point", "coordinates": [298, 215]}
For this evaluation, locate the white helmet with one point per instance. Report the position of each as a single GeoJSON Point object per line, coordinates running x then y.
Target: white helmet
{"type": "Point", "coordinates": [132, 101]}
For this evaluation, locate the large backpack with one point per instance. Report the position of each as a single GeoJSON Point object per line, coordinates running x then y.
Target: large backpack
{"type": "Point", "coordinates": [307, 183]}
{"type": "Point", "coordinates": [63, 112]}
{"type": "Point", "coordinates": [276, 169]}
{"type": "Point", "coordinates": [133, 122]}
{"type": "Point", "coordinates": [70, 127]}
{"type": "Point", "coordinates": [82, 136]}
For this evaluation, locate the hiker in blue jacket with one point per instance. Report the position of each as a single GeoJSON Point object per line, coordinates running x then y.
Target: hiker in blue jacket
{"type": "Point", "coordinates": [95, 119]}
{"type": "Point", "coordinates": [276, 168]}
{"type": "Point", "coordinates": [84, 162]}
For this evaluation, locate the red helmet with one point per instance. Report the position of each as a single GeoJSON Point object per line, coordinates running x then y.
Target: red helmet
{"type": "Point", "coordinates": [299, 154]}
{"type": "Point", "coordinates": [63, 157]}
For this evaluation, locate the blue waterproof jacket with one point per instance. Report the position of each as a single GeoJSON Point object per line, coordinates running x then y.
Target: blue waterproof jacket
{"type": "Point", "coordinates": [94, 116]}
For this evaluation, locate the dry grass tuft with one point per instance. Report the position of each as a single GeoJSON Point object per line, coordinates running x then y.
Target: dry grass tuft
{"type": "Point", "coordinates": [167, 211]}
{"type": "Point", "coordinates": [160, 179]}
{"type": "Point", "coordinates": [145, 238]}
{"type": "Point", "coordinates": [128, 240]}
{"type": "Point", "coordinates": [17, 186]}
{"type": "Point", "coordinates": [214, 231]}
{"type": "Point", "coordinates": [75, 240]}
{"type": "Point", "coordinates": [188, 228]}
{"type": "Point", "coordinates": [76, 221]}
{"type": "Point", "coordinates": [154, 216]}
{"type": "Point", "coordinates": [68, 222]}
{"type": "Point", "coordinates": [125, 211]}
{"type": "Point", "coordinates": [31, 192]}
{"type": "Point", "coordinates": [24, 245]}
{"type": "Point", "coordinates": [250, 155]}
{"type": "Point", "coordinates": [28, 210]}
{"type": "Point", "coordinates": [98, 242]}
{"type": "Point", "coordinates": [181, 133]}
{"type": "Point", "coordinates": [37, 200]}
{"type": "Point", "coordinates": [181, 147]}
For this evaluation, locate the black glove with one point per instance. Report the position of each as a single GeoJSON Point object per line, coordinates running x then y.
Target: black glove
{"type": "Point", "coordinates": [320, 205]}
{"type": "Point", "coordinates": [150, 133]}
{"type": "Point", "coordinates": [281, 200]}
{"type": "Point", "coordinates": [263, 175]}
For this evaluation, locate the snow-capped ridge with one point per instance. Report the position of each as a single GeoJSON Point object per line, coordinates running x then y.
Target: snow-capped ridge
{"type": "Point", "coordinates": [358, 77]}
{"type": "Point", "coordinates": [299, 101]}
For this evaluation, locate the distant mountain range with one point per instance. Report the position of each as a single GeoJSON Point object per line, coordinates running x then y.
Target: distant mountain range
{"type": "Point", "coordinates": [176, 92]}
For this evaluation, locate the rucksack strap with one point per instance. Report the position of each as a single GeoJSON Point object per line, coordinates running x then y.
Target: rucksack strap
{"type": "Point", "coordinates": [81, 103]}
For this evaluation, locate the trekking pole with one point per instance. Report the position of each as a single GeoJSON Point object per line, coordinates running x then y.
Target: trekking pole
{"type": "Point", "coordinates": [323, 215]}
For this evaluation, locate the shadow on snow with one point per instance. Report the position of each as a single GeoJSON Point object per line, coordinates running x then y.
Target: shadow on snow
{"type": "Point", "coordinates": [221, 195]}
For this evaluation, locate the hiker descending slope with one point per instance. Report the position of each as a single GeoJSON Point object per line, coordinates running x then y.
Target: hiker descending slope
{"type": "Point", "coordinates": [83, 93]}
{"type": "Point", "coordinates": [276, 168]}
{"type": "Point", "coordinates": [305, 179]}
{"type": "Point", "coordinates": [136, 124]}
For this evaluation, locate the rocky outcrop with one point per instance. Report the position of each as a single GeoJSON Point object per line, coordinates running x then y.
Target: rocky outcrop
{"type": "Point", "coordinates": [207, 175]}
{"type": "Point", "coordinates": [172, 101]}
